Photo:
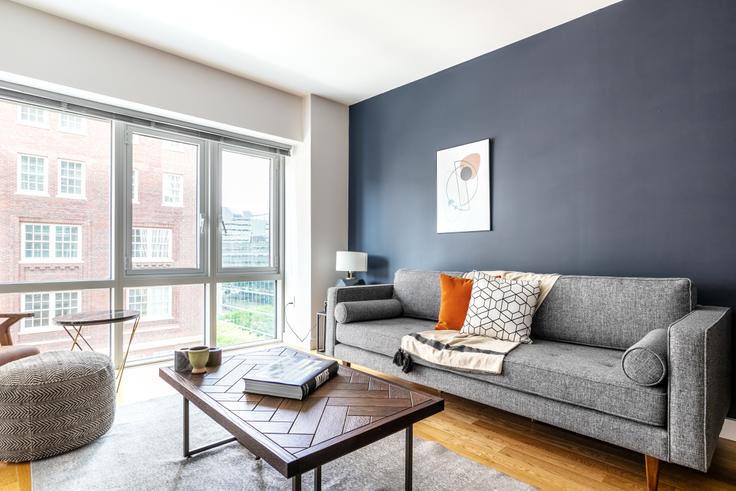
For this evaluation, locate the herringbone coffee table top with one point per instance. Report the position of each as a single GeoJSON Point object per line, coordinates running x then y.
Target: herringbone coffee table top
{"type": "Point", "coordinates": [351, 410]}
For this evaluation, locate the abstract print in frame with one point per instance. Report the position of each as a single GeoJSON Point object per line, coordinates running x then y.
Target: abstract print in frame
{"type": "Point", "coordinates": [464, 188]}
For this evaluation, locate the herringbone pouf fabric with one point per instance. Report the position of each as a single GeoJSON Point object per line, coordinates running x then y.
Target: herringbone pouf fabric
{"type": "Point", "coordinates": [53, 403]}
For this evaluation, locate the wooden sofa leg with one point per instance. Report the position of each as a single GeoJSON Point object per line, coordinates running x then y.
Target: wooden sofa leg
{"type": "Point", "coordinates": [652, 469]}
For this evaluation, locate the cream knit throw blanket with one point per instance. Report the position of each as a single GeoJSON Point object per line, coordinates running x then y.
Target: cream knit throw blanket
{"type": "Point", "coordinates": [467, 352]}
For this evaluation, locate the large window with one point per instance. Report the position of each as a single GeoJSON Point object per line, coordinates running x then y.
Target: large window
{"type": "Point", "coordinates": [178, 247]}
{"type": "Point", "coordinates": [246, 210]}
{"type": "Point", "coordinates": [196, 247]}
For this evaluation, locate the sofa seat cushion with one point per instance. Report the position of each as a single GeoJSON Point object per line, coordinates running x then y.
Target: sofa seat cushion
{"type": "Point", "coordinates": [380, 336]}
{"type": "Point", "coordinates": [581, 375]}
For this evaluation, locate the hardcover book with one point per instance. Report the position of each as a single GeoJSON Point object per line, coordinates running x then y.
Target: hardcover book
{"type": "Point", "coordinates": [291, 377]}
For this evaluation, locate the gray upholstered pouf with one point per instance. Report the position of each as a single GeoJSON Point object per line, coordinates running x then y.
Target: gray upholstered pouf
{"type": "Point", "coordinates": [53, 403]}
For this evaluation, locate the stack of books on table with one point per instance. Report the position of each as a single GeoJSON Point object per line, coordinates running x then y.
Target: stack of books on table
{"type": "Point", "coordinates": [291, 378]}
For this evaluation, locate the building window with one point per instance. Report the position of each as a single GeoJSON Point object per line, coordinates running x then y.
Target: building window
{"type": "Point", "coordinates": [33, 116]}
{"type": "Point", "coordinates": [134, 185]}
{"type": "Point", "coordinates": [151, 244]}
{"type": "Point", "coordinates": [71, 179]}
{"type": "Point", "coordinates": [66, 241]}
{"type": "Point", "coordinates": [66, 303]}
{"type": "Point", "coordinates": [154, 303]}
{"type": "Point", "coordinates": [46, 306]}
{"type": "Point", "coordinates": [172, 195]}
{"type": "Point", "coordinates": [36, 241]}
{"type": "Point", "coordinates": [50, 243]}
{"type": "Point", "coordinates": [32, 173]}
{"type": "Point", "coordinates": [38, 304]}
{"type": "Point", "coordinates": [71, 123]}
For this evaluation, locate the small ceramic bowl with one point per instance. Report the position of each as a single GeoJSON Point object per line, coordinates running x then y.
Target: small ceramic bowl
{"type": "Point", "coordinates": [198, 357]}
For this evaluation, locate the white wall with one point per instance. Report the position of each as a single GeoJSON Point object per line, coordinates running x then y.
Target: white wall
{"type": "Point", "coordinates": [329, 200]}
{"type": "Point", "coordinates": [317, 207]}
{"type": "Point", "coordinates": [38, 45]}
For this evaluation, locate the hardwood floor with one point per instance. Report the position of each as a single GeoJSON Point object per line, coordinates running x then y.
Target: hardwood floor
{"type": "Point", "coordinates": [533, 452]}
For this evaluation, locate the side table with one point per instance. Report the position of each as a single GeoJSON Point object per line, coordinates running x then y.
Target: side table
{"type": "Point", "coordinates": [74, 323]}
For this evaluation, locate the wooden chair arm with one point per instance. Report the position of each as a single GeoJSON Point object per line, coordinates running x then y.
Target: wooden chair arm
{"type": "Point", "coordinates": [10, 319]}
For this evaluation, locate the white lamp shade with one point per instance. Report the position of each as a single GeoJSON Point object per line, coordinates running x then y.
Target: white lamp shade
{"type": "Point", "coordinates": [351, 261]}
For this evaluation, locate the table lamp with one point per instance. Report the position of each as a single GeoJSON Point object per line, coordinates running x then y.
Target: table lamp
{"type": "Point", "coordinates": [351, 262]}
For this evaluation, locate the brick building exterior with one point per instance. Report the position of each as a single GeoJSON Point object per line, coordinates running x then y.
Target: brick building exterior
{"type": "Point", "coordinates": [55, 217]}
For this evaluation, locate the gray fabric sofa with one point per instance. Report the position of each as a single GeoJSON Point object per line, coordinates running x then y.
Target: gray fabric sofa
{"type": "Point", "coordinates": [571, 376]}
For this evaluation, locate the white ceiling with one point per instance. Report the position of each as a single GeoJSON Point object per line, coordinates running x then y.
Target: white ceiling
{"type": "Point", "coordinates": [346, 50]}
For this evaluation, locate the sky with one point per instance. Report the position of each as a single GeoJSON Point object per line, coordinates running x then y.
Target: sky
{"type": "Point", "coordinates": [245, 182]}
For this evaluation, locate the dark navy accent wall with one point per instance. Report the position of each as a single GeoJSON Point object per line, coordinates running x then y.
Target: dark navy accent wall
{"type": "Point", "coordinates": [614, 152]}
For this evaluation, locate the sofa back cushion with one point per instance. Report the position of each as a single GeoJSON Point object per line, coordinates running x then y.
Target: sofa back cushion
{"type": "Point", "coordinates": [419, 292]}
{"type": "Point", "coordinates": [611, 312]}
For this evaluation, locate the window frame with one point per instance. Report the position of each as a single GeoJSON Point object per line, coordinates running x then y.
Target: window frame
{"type": "Point", "coordinates": [83, 186]}
{"type": "Point", "coordinates": [19, 175]}
{"type": "Point", "coordinates": [52, 259]}
{"type": "Point", "coordinates": [121, 119]}
{"type": "Point", "coordinates": [199, 272]}
{"type": "Point", "coordinates": [231, 273]}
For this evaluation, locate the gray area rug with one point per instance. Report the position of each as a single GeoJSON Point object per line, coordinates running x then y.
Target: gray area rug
{"type": "Point", "coordinates": [142, 451]}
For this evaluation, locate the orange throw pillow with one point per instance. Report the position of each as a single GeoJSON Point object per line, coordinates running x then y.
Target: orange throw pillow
{"type": "Point", "coordinates": [455, 298]}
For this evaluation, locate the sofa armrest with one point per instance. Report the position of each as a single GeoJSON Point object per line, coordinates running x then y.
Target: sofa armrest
{"type": "Point", "coordinates": [337, 294]}
{"type": "Point", "coordinates": [699, 389]}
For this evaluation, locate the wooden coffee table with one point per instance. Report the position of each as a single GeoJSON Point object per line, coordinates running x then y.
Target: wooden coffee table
{"type": "Point", "coordinates": [350, 411]}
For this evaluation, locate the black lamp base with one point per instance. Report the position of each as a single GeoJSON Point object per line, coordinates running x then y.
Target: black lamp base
{"type": "Point", "coordinates": [350, 282]}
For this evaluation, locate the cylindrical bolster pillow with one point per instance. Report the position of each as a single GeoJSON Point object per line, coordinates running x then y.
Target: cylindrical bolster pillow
{"type": "Point", "coordinates": [645, 363]}
{"type": "Point", "coordinates": [367, 310]}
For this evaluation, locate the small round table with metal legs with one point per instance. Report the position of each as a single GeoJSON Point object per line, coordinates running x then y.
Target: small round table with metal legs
{"type": "Point", "coordinates": [74, 323]}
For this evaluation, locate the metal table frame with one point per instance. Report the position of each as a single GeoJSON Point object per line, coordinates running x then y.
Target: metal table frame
{"type": "Point", "coordinates": [74, 323]}
{"type": "Point", "coordinates": [296, 481]}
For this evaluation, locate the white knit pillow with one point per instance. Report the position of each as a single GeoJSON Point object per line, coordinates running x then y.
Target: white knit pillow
{"type": "Point", "coordinates": [501, 309]}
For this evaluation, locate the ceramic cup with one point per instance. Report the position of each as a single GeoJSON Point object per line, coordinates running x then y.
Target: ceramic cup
{"type": "Point", "coordinates": [215, 359]}
{"type": "Point", "coordinates": [198, 357]}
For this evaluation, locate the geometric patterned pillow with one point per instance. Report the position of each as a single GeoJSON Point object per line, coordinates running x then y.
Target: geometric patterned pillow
{"type": "Point", "coordinates": [501, 309]}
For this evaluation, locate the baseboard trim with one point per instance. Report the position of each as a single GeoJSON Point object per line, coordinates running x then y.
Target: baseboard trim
{"type": "Point", "coordinates": [729, 429]}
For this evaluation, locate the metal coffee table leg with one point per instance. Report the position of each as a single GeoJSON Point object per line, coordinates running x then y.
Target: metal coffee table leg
{"type": "Point", "coordinates": [318, 478]}
{"type": "Point", "coordinates": [408, 455]}
{"type": "Point", "coordinates": [189, 452]}
{"type": "Point", "coordinates": [296, 483]}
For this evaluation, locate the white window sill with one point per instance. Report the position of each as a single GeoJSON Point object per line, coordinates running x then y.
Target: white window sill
{"type": "Point", "coordinates": [156, 319]}
{"type": "Point", "coordinates": [43, 126]}
{"type": "Point", "coordinates": [173, 205]}
{"type": "Point", "coordinates": [80, 197]}
{"type": "Point", "coordinates": [39, 329]}
{"type": "Point", "coordinates": [42, 194]}
{"type": "Point", "coordinates": [46, 260]}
